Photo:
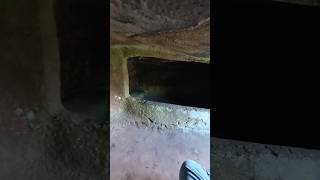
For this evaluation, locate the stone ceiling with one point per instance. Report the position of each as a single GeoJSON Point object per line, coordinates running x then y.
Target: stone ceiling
{"type": "Point", "coordinates": [179, 25]}
{"type": "Point", "coordinates": [150, 16]}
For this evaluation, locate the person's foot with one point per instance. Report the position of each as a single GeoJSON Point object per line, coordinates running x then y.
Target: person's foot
{"type": "Point", "coordinates": [191, 170]}
{"type": "Point", "coordinates": [208, 171]}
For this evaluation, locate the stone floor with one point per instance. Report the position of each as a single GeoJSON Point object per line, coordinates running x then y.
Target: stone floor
{"type": "Point", "coordinates": [145, 154]}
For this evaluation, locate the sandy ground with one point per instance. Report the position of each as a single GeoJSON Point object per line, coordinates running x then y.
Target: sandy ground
{"type": "Point", "coordinates": [144, 154]}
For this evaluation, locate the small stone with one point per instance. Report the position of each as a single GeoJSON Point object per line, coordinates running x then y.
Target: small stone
{"type": "Point", "coordinates": [30, 116]}
{"type": "Point", "coordinates": [19, 111]}
{"type": "Point", "coordinates": [118, 97]}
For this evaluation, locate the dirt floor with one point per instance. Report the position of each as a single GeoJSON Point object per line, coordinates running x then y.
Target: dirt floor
{"type": "Point", "coordinates": [139, 152]}
{"type": "Point", "coordinates": [63, 147]}
{"type": "Point", "coordinates": [235, 160]}
{"type": "Point", "coordinates": [145, 154]}
{"type": "Point", "coordinates": [146, 151]}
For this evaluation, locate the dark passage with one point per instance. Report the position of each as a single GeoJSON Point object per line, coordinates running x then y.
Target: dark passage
{"type": "Point", "coordinates": [266, 73]}
{"type": "Point", "coordinates": [175, 82]}
{"type": "Point", "coordinates": [82, 32]}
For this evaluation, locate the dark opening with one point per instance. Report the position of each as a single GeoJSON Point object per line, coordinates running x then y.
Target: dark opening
{"type": "Point", "coordinates": [175, 82]}
{"type": "Point", "coordinates": [82, 32]}
{"type": "Point", "coordinates": [266, 73]}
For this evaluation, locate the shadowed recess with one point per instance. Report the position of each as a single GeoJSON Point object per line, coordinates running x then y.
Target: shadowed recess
{"type": "Point", "coordinates": [168, 81]}
{"type": "Point", "coordinates": [82, 28]}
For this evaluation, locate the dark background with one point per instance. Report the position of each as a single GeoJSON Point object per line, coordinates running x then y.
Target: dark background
{"type": "Point", "coordinates": [83, 30]}
{"type": "Point", "coordinates": [265, 72]}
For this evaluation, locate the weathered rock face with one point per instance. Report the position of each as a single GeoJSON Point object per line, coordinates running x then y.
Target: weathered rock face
{"type": "Point", "coordinates": [148, 16]}
{"type": "Point", "coordinates": [39, 139]}
{"type": "Point", "coordinates": [179, 28]}
{"type": "Point", "coordinates": [20, 46]}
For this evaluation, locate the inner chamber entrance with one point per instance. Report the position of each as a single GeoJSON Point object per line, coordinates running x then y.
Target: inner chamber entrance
{"type": "Point", "coordinates": [168, 81]}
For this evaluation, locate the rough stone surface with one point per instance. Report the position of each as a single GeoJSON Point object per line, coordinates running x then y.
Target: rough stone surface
{"type": "Point", "coordinates": [147, 16]}
{"type": "Point", "coordinates": [54, 148]}
{"type": "Point", "coordinates": [35, 142]}
{"type": "Point", "coordinates": [169, 116]}
{"type": "Point", "coordinates": [250, 161]}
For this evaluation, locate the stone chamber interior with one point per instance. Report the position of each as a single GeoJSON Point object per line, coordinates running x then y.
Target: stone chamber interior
{"type": "Point", "coordinates": [84, 59]}
{"type": "Point", "coordinates": [265, 72]}
{"type": "Point", "coordinates": [159, 87]}
{"type": "Point", "coordinates": [163, 120]}
{"type": "Point", "coordinates": [174, 82]}
{"type": "Point", "coordinates": [264, 82]}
